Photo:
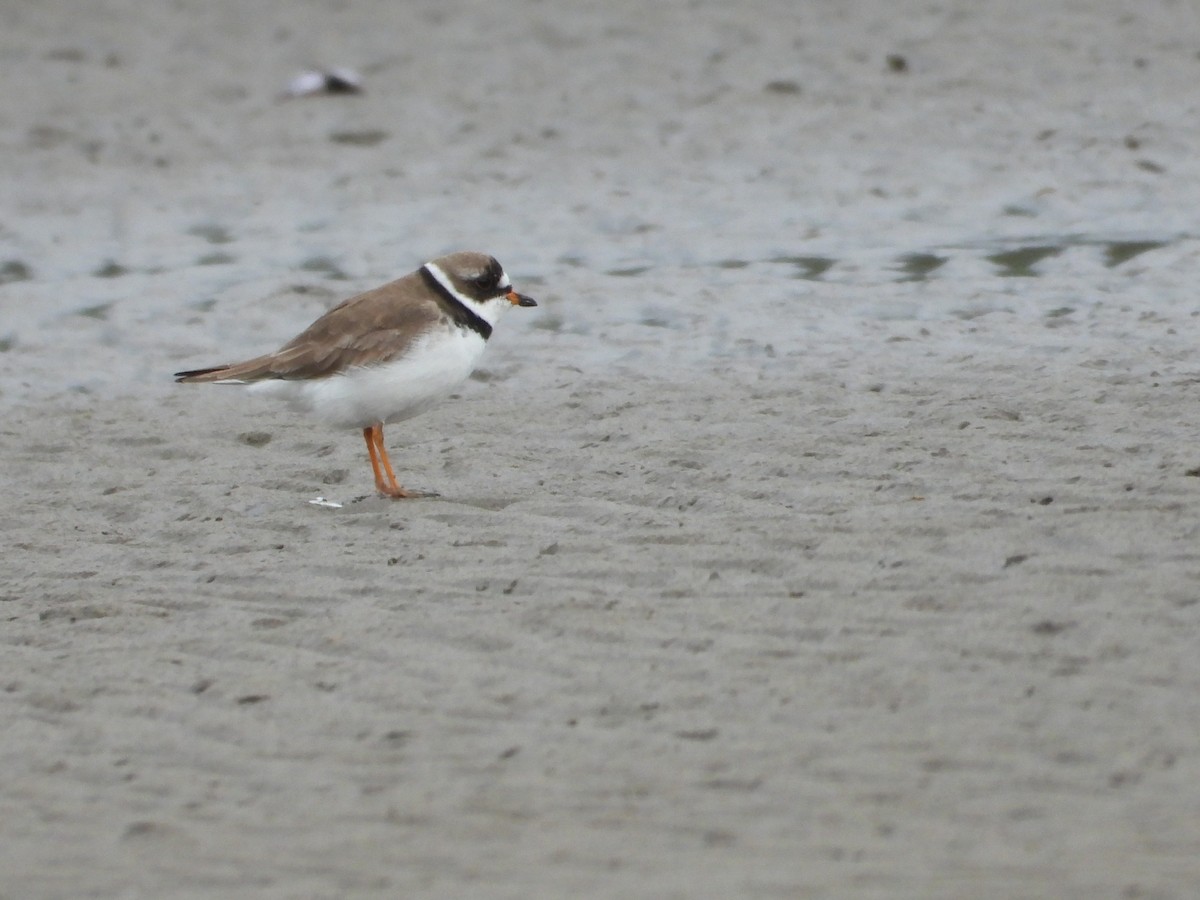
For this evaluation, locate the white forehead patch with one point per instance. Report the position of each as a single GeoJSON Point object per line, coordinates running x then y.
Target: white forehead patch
{"type": "Point", "coordinates": [503, 283]}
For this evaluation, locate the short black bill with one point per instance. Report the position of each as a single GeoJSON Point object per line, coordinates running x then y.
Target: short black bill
{"type": "Point", "coordinates": [520, 299]}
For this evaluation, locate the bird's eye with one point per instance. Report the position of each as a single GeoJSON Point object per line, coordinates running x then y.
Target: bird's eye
{"type": "Point", "coordinates": [491, 276]}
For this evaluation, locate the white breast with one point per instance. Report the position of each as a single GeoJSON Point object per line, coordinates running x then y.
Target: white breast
{"type": "Point", "coordinates": [389, 392]}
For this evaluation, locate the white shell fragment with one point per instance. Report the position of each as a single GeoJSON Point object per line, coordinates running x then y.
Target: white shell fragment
{"type": "Point", "coordinates": [324, 81]}
{"type": "Point", "coordinates": [321, 501]}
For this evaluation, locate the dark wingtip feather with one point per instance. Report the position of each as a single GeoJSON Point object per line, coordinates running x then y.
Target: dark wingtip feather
{"type": "Point", "coordinates": [198, 374]}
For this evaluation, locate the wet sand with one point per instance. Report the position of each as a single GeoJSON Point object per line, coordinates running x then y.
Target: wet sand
{"type": "Point", "coordinates": [830, 530]}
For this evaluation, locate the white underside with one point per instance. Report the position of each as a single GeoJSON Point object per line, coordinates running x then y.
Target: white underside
{"type": "Point", "coordinates": [387, 392]}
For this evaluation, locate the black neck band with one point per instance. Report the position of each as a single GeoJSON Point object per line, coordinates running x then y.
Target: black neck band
{"type": "Point", "coordinates": [462, 314]}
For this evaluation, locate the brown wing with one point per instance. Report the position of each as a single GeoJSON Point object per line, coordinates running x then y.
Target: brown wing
{"type": "Point", "coordinates": [372, 327]}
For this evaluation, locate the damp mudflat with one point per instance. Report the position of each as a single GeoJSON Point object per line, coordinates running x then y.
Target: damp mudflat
{"type": "Point", "coordinates": [829, 529]}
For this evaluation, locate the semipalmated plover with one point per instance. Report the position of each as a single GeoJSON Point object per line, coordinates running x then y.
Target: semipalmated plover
{"type": "Point", "coordinates": [385, 355]}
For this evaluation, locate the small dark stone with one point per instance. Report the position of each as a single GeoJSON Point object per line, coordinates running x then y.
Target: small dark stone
{"type": "Point", "coordinates": [255, 438]}
{"type": "Point", "coordinates": [1048, 627]}
{"type": "Point", "coordinates": [699, 734]}
{"type": "Point", "coordinates": [368, 137]}
{"type": "Point", "coordinates": [14, 270]}
{"type": "Point", "coordinates": [111, 270]}
{"type": "Point", "coordinates": [782, 86]}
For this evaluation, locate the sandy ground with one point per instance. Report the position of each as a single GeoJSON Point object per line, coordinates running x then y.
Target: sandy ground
{"type": "Point", "coordinates": [831, 529]}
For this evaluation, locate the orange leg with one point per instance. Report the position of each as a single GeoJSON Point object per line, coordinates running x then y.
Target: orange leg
{"type": "Point", "coordinates": [385, 477]}
{"type": "Point", "coordinates": [395, 489]}
{"type": "Point", "coordinates": [369, 437]}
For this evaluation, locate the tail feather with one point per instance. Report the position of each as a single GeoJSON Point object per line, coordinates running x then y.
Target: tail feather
{"type": "Point", "coordinates": [237, 373]}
